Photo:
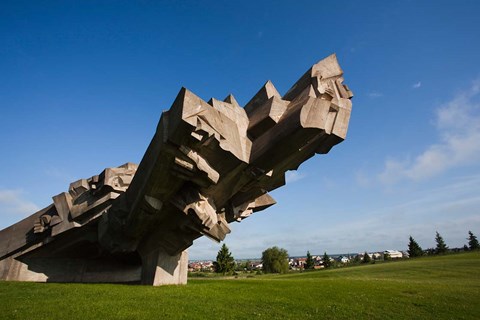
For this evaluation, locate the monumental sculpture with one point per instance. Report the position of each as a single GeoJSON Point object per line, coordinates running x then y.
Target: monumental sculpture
{"type": "Point", "coordinates": [209, 164]}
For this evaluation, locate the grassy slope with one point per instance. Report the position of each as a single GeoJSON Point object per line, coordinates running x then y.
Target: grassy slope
{"type": "Point", "coordinates": [446, 287]}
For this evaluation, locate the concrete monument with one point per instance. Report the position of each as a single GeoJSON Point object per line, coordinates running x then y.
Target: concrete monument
{"type": "Point", "coordinates": [208, 164]}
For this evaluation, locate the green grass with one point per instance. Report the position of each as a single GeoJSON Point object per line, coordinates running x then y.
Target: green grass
{"type": "Point", "coordinates": [445, 287]}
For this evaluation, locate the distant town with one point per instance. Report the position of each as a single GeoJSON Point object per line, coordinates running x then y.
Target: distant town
{"type": "Point", "coordinates": [298, 263]}
{"type": "Point", "coordinates": [277, 260]}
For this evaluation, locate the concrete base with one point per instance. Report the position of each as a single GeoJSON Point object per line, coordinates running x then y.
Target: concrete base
{"type": "Point", "coordinates": [159, 268]}
{"type": "Point", "coordinates": [68, 270]}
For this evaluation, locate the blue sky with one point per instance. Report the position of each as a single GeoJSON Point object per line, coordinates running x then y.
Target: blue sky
{"type": "Point", "coordinates": [83, 84]}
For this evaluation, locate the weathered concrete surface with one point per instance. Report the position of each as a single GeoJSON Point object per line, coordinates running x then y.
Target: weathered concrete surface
{"type": "Point", "coordinates": [208, 164]}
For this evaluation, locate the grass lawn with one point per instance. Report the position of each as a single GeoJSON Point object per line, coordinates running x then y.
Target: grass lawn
{"type": "Point", "coordinates": [445, 287]}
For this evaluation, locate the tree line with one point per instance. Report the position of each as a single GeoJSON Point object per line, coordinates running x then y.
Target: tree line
{"type": "Point", "coordinates": [275, 260]}
{"type": "Point", "coordinates": [414, 249]}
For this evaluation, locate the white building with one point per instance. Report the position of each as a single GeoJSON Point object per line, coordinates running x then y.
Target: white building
{"type": "Point", "coordinates": [394, 254]}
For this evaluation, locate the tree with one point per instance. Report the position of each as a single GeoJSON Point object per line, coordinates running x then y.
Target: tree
{"type": "Point", "coordinates": [357, 259]}
{"type": "Point", "coordinates": [225, 262]}
{"type": "Point", "coordinates": [366, 258]}
{"type": "Point", "coordinates": [275, 260]}
{"type": "Point", "coordinates": [414, 250]}
{"type": "Point", "coordinates": [326, 261]}
{"type": "Point", "coordinates": [248, 265]}
{"type": "Point", "coordinates": [472, 241]}
{"type": "Point", "coordinates": [386, 256]}
{"type": "Point", "coordinates": [441, 246]}
{"type": "Point", "coordinates": [309, 263]}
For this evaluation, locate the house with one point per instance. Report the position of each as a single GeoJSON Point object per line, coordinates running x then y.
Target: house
{"type": "Point", "coordinates": [195, 266]}
{"type": "Point", "coordinates": [257, 266]}
{"type": "Point", "coordinates": [394, 254]}
{"type": "Point", "coordinates": [376, 255]}
{"type": "Point", "coordinates": [297, 263]}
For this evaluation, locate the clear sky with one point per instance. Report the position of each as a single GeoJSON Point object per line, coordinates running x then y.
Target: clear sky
{"type": "Point", "coordinates": [83, 84]}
